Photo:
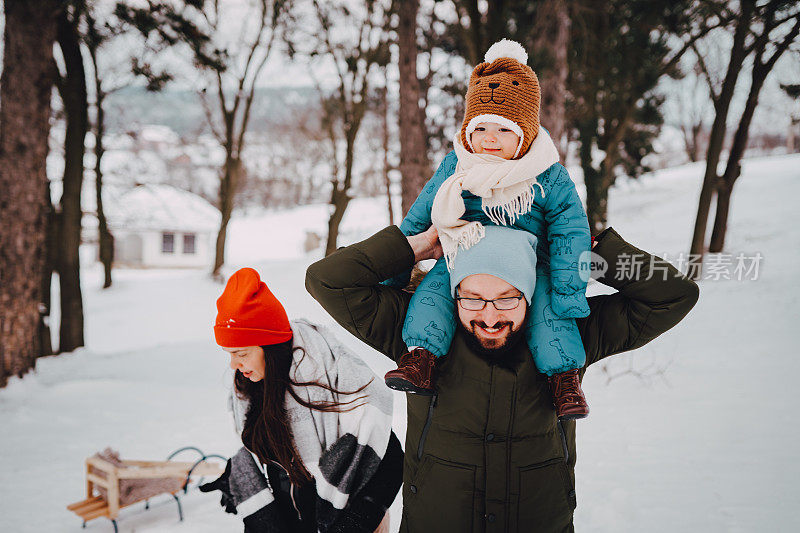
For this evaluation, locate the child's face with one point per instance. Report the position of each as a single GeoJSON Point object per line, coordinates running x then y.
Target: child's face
{"type": "Point", "coordinates": [491, 138]}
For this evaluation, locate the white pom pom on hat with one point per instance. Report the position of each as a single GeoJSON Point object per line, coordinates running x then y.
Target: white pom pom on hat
{"type": "Point", "coordinates": [506, 48]}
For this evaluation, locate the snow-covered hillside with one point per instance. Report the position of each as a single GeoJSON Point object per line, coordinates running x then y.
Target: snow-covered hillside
{"type": "Point", "coordinates": [703, 441]}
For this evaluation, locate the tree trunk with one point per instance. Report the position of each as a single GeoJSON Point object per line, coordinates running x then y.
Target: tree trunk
{"type": "Point", "coordinates": [340, 196]}
{"type": "Point", "coordinates": [222, 234]}
{"type": "Point", "coordinates": [596, 200]}
{"type": "Point", "coordinates": [721, 107]}
{"type": "Point", "coordinates": [596, 192]}
{"type": "Point", "coordinates": [733, 167]}
{"type": "Point", "coordinates": [553, 24]}
{"type": "Point", "coordinates": [414, 164]}
{"type": "Point", "coordinates": [105, 238]}
{"type": "Point", "coordinates": [50, 253]}
{"type": "Point", "coordinates": [339, 200]}
{"type": "Point", "coordinates": [227, 191]}
{"type": "Point", "coordinates": [387, 182]}
{"type": "Point", "coordinates": [691, 141]}
{"type": "Point", "coordinates": [721, 219]}
{"type": "Point", "coordinates": [25, 89]}
{"type": "Point", "coordinates": [476, 46]}
{"type": "Point", "coordinates": [76, 107]}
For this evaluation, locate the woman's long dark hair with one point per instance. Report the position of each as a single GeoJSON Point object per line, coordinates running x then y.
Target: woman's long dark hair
{"type": "Point", "coordinates": [267, 432]}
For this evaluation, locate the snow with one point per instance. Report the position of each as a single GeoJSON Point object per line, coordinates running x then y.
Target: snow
{"type": "Point", "coordinates": [704, 441]}
{"type": "Point", "coordinates": [162, 207]}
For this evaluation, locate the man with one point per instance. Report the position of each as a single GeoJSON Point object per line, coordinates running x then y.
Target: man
{"type": "Point", "coordinates": [486, 452]}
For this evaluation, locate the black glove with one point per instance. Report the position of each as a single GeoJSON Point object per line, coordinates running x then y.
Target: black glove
{"type": "Point", "coordinates": [362, 515]}
{"type": "Point", "coordinates": [221, 484]}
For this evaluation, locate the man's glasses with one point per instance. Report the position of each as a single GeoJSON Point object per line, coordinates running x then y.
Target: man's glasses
{"type": "Point", "coordinates": [479, 304]}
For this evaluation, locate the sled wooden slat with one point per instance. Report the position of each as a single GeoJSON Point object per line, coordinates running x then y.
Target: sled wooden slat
{"type": "Point", "coordinates": [90, 508]}
{"type": "Point", "coordinates": [101, 464]}
{"type": "Point", "coordinates": [96, 513]}
{"type": "Point", "coordinates": [132, 462]}
{"type": "Point", "coordinates": [165, 469]}
{"type": "Point", "coordinates": [91, 505]}
{"type": "Point", "coordinates": [89, 502]}
{"type": "Point", "coordinates": [97, 480]}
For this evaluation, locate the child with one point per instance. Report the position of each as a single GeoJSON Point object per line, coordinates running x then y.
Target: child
{"type": "Point", "coordinates": [501, 158]}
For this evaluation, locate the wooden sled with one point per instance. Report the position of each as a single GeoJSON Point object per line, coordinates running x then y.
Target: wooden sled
{"type": "Point", "coordinates": [105, 481]}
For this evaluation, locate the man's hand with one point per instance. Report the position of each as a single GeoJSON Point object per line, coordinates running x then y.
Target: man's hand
{"type": "Point", "coordinates": [426, 245]}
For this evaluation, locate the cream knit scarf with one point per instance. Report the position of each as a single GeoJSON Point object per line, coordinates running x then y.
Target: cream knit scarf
{"type": "Point", "coordinates": [507, 187]}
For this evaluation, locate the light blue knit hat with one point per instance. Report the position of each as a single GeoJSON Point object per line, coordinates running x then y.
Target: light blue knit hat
{"type": "Point", "coordinates": [509, 254]}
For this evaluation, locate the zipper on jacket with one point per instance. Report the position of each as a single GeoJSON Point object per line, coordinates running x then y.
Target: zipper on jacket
{"type": "Point", "coordinates": [266, 475]}
{"type": "Point", "coordinates": [563, 441]}
{"type": "Point", "coordinates": [291, 489]}
{"type": "Point", "coordinates": [427, 425]}
{"type": "Point", "coordinates": [571, 493]}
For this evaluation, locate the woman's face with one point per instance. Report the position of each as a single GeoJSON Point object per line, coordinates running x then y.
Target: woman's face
{"type": "Point", "coordinates": [249, 360]}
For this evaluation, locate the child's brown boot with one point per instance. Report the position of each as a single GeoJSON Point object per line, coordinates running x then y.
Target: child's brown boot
{"type": "Point", "coordinates": [414, 373]}
{"type": "Point", "coordinates": [567, 395]}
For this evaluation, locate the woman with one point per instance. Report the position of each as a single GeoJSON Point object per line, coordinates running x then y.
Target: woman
{"type": "Point", "coordinates": [319, 452]}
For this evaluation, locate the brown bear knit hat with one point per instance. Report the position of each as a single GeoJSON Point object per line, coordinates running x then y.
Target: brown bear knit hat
{"type": "Point", "coordinates": [504, 90]}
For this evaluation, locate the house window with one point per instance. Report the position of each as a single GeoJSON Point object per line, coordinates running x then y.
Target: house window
{"type": "Point", "coordinates": [188, 243]}
{"type": "Point", "coordinates": [167, 243]}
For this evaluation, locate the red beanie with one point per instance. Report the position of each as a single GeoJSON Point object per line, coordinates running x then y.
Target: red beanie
{"type": "Point", "coordinates": [248, 314]}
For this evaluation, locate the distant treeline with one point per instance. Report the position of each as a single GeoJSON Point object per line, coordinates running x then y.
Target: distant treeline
{"type": "Point", "coordinates": [182, 109]}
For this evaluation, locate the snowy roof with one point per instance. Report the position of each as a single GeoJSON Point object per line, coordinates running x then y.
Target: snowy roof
{"type": "Point", "coordinates": [162, 207]}
{"type": "Point", "coordinates": [158, 133]}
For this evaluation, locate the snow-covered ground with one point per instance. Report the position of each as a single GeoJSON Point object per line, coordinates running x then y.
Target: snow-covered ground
{"type": "Point", "coordinates": [704, 441]}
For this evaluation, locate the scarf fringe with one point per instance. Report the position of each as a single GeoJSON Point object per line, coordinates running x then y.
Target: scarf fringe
{"type": "Point", "coordinates": [469, 235]}
{"type": "Point", "coordinates": [506, 213]}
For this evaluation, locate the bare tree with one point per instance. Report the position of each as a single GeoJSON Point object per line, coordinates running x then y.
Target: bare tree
{"type": "Point", "coordinates": [231, 43]}
{"type": "Point", "coordinates": [94, 39]}
{"type": "Point", "coordinates": [776, 17]}
{"type": "Point", "coordinates": [386, 148]}
{"type": "Point", "coordinates": [242, 53]}
{"type": "Point", "coordinates": [748, 19]}
{"type": "Point", "coordinates": [618, 56]}
{"type": "Point", "coordinates": [351, 39]}
{"type": "Point", "coordinates": [692, 123]}
{"type": "Point", "coordinates": [414, 164]}
{"type": "Point", "coordinates": [71, 84]}
{"type": "Point", "coordinates": [233, 92]}
{"type": "Point", "coordinates": [25, 91]}
{"type": "Point", "coordinates": [110, 76]}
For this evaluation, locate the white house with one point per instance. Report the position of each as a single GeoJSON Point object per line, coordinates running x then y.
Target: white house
{"type": "Point", "coordinates": [156, 225]}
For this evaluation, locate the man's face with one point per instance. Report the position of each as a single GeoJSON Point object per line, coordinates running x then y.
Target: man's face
{"type": "Point", "coordinates": [490, 327]}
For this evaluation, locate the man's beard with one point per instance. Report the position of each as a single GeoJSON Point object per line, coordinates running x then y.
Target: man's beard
{"type": "Point", "coordinates": [495, 355]}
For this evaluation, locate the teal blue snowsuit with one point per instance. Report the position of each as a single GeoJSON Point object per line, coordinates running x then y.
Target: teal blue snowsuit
{"type": "Point", "coordinates": [560, 224]}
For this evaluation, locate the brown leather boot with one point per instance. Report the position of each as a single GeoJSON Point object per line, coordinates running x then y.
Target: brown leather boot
{"type": "Point", "coordinates": [567, 395]}
{"type": "Point", "coordinates": [414, 373]}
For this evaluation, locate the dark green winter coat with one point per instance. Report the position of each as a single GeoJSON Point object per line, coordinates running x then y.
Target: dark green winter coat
{"type": "Point", "coordinates": [487, 453]}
